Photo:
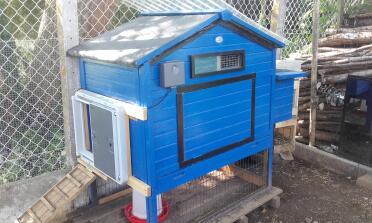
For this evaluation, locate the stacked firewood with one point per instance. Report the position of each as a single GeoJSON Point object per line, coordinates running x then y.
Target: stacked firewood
{"type": "Point", "coordinates": [342, 52]}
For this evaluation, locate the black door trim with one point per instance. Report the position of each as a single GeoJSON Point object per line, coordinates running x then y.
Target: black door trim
{"type": "Point", "coordinates": [180, 118]}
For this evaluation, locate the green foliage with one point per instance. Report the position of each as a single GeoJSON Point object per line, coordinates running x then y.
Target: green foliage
{"type": "Point", "coordinates": [20, 18]}
{"type": "Point", "coordinates": [328, 19]}
{"type": "Point", "coordinates": [36, 147]}
{"type": "Point", "coordinates": [364, 7]}
{"type": "Point", "coordinates": [122, 15]}
{"type": "Point", "coordinates": [28, 158]}
{"type": "Point", "coordinates": [328, 15]}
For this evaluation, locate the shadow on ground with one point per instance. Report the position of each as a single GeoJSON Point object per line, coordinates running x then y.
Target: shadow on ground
{"type": "Point", "coordinates": [315, 195]}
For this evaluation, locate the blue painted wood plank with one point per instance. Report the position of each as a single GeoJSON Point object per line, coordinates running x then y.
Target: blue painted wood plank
{"type": "Point", "coordinates": [168, 154]}
{"type": "Point", "coordinates": [283, 99]}
{"type": "Point", "coordinates": [218, 113]}
{"type": "Point", "coordinates": [283, 75]}
{"type": "Point", "coordinates": [163, 138]}
{"type": "Point", "coordinates": [171, 180]}
{"type": "Point", "coordinates": [114, 81]}
{"type": "Point", "coordinates": [139, 165]}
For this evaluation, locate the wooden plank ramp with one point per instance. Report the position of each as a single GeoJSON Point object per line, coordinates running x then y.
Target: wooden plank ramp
{"type": "Point", "coordinates": [61, 194]}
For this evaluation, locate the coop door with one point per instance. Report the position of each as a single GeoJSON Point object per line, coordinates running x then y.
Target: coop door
{"type": "Point", "coordinates": [102, 137]}
{"type": "Point", "coordinates": [102, 134]}
{"type": "Point", "coordinates": [214, 117]}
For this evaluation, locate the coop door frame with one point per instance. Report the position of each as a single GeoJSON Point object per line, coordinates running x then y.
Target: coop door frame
{"type": "Point", "coordinates": [120, 131]}
{"type": "Point", "coordinates": [180, 118]}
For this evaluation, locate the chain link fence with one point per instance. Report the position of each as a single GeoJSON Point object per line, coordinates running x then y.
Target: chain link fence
{"type": "Point", "coordinates": [31, 119]}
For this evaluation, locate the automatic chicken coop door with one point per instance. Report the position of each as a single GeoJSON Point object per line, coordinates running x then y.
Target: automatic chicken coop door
{"type": "Point", "coordinates": [102, 133]}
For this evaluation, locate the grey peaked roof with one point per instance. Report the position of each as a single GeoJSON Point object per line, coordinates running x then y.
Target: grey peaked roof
{"type": "Point", "coordinates": [145, 37]}
{"type": "Point", "coordinates": [137, 38]}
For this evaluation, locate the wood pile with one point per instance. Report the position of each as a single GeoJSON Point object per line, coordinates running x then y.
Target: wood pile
{"type": "Point", "coordinates": [342, 52]}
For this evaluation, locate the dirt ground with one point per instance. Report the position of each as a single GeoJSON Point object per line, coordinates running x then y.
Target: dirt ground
{"type": "Point", "coordinates": [315, 195]}
{"type": "Point", "coordinates": [311, 195]}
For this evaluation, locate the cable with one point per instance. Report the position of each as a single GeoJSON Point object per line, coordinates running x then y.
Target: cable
{"type": "Point", "coordinates": [161, 99]}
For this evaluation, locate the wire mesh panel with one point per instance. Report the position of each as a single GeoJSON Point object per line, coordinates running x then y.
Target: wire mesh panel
{"type": "Point", "coordinates": [259, 11]}
{"type": "Point", "coordinates": [97, 16]}
{"type": "Point", "coordinates": [262, 10]}
{"type": "Point", "coordinates": [219, 189]}
{"type": "Point", "coordinates": [343, 52]}
{"type": "Point", "coordinates": [31, 120]}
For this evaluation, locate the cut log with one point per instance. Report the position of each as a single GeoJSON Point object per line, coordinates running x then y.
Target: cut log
{"type": "Point", "coordinates": [345, 52]}
{"type": "Point", "coordinates": [359, 20]}
{"type": "Point", "coordinates": [331, 49]}
{"type": "Point", "coordinates": [329, 32]}
{"type": "Point", "coordinates": [332, 72]}
{"type": "Point", "coordinates": [334, 128]}
{"type": "Point", "coordinates": [306, 122]}
{"type": "Point", "coordinates": [304, 107]}
{"type": "Point", "coordinates": [321, 135]}
{"type": "Point", "coordinates": [327, 112]}
{"type": "Point", "coordinates": [305, 83]}
{"type": "Point", "coordinates": [341, 78]}
{"type": "Point", "coordinates": [361, 16]}
{"type": "Point", "coordinates": [344, 60]}
{"type": "Point", "coordinates": [349, 66]}
{"type": "Point", "coordinates": [321, 116]}
{"type": "Point", "coordinates": [321, 106]}
{"type": "Point", "coordinates": [332, 63]}
{"type": "Point", "coordinates": [302, 100]}
{"type": "Point", "coordinates": [346, 39]}
{"type": "Point", "coordinates": [305, 93]}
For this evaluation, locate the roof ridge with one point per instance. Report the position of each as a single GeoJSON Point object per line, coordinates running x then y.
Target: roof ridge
{"type": "Point", "coordinates": [181, 13]}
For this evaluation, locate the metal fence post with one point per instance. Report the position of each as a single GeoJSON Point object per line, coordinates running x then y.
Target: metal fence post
{"type": "Point", "coordinates": [68, 35]}
{"type": "Point", "coordinates": [314, 73]}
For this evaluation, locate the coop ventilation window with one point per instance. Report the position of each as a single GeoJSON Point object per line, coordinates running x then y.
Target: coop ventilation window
{"type": "Point", "coordinates": [215, 63]}
{"type": "Point", "coordinates": [102, 133]}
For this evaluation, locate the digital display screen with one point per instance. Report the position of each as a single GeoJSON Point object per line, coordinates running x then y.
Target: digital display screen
{"type": "Point", "coordinates": [217, 63]}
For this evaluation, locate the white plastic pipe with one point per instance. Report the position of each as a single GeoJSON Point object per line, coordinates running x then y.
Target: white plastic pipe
{"type": "Point", "coordinates": [139, 205]}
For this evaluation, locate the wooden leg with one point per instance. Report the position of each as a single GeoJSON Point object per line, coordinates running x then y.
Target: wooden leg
{"type": "Point", "coordinates": [265, 157]}
{"type": "Point", "coordinates": [151, 208]}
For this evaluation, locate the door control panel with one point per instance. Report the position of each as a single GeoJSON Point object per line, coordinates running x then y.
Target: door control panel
{"type": "Point", "coordinates": [172, 74]}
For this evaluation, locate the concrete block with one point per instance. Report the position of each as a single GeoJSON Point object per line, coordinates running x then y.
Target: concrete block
{"type": "Point", "coordinates": [16, 197]}
{"type": "Point", "coordinates": [365, 181]}
{"type": "Point", "coordinates": [329, 161]}
{"type": "Point", "coordinates": [275, 202]}
{"type": "Point", "coordinates": [243, 219]}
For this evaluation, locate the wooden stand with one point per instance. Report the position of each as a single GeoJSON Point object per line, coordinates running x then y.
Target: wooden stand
{"type": "Point", "coordinates": [247, 175]}
{"type": "Point", "coordinates": [238, 212]}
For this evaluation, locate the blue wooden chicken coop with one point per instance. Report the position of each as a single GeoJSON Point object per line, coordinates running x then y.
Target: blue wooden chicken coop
{"type": "Point", "coordinates": [169, 97]}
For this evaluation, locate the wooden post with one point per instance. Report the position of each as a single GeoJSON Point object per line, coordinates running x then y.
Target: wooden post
{"type": "Point", "coordinates": [314, 73]}
{"type": "Point", "coordinates": [277, 23]}
{"type": "Point", "coordinates": [68, 36]}
{"type": "Point", "coordinates": [341, 13]}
